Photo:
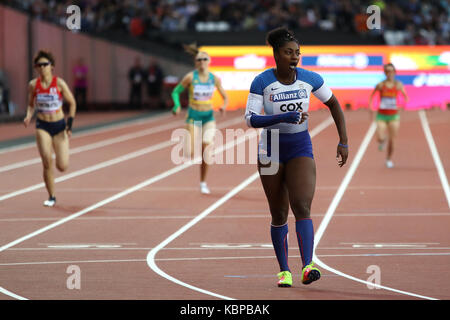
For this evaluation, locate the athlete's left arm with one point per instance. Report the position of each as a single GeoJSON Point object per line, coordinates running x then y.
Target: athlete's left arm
{"type": "Point", "coordinates": [222, 92]}
{"type": "Point", "coordinates": [339, 120]}
{"type": "Point", "coordinates": [68, 96]}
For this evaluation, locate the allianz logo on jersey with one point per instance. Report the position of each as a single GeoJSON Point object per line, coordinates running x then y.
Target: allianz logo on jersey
{"type": "Point", "coordinates": [289, 95]}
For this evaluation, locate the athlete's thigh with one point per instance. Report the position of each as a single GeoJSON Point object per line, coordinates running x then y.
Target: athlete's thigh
{"type": "Point", "coordinates": [208, 135]}
{"type": "Point", "coordinates": [393, 127]}
{"type": "Point", "coordinates": [208, 132]}
{"type": "Point", "coordinates": [300, 177]}
{"type": "Point", "coordinates": [193, 138]}
{"type": "Point", "coordinates": [275, 188]}
{"type": "Point", "coordinates": [44, 145]}
{"type": "Point", "coordinates": [61, 146]}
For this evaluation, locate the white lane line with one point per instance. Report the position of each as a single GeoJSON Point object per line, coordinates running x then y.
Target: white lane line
{"type": "Point", "coordinates": [104, 164]}
{"type": "Point", "coordinates": [208, 248]}
{"type": "Point", "coordinates": [86, 170]}
{"type": "Point", "coordinates": [241, 139]}
{"type": "Point", "coordinates": [128, 191]}
{"type": "Point", "coordinates": [11, 294]}
{"type": "Point", "coordinates": [257, 189]}
{"type": "Point", "coordinates": [435, 154]}
{"type": "Point", "coordinates": [332, 208]}
{"type": "Point", "coordinates": [105, 128]}
{"type": "Point", "coordinates": [96, 145]}
{"type": "Point", "coordinates": [152, 253]}
{"type": "Point", "coordinates": [361, 255]}
{"type": "Point", "coordinates": [344, 184]}
{"type": "Point", "coordinates": [245, 215]}
{"type": "Point", "coordinates": [122, 194]}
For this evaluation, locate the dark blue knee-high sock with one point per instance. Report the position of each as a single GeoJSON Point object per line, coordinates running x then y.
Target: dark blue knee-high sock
{"type": "Point", "coordinates": [305, 237]}
{"type": "Point", "coordinates": [279, 236]}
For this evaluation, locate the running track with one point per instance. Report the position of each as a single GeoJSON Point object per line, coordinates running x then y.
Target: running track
{"type": "Point", "coordinates": [136, 226]}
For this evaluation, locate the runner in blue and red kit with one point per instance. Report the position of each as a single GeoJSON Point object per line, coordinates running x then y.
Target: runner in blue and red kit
{"type": "Point", "coordinates": [283, 94]}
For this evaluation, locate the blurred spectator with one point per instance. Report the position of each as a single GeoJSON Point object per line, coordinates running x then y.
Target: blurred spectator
{"type": "Point", "coordinates": [154, 80]}
{"type": "Point", "coordinates": [137, 26]}
{"type": "Point", "coordinates": [80, 71]}
{"type": "Point", "coordinates": [136, 75]}
{"type": "Point", "coordinates": [360, 20]}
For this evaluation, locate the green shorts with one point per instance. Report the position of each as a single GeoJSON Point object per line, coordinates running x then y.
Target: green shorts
{"type": "Point", "coordinates": [387, 118]}
{"type": "Point", "coordinates": [199, 118]}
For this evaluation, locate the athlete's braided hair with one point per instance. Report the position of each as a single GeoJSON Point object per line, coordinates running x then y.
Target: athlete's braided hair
{"type": "Point", "coordinates": [278, 37]}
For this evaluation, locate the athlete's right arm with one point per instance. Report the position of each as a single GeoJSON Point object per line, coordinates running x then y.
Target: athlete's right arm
{"type": "Point", "coordinates": [255, 105]}
{"type": "Point", "coordinates": [178, 90]}
{"type": "Point", "coordinates": [377, 88]}
{"type": "Point", "coordinates": [371, 112]}
{"type": "Point", "coordinates": [30, 107]}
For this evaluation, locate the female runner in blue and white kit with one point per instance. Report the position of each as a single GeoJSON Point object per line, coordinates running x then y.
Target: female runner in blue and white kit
{"type": "Point", "coordinates": [283, 93]}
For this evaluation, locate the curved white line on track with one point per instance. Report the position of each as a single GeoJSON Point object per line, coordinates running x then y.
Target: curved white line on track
{"type": "Point", "coordinates": [332, 208]}
{"type": "Point", "coordinates": [163, 175]}
{"type": "Point", "coordinates": [152, 253]}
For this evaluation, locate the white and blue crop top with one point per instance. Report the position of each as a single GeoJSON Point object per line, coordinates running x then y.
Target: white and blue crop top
{"type": "Point", "coordinates": [270, 95]}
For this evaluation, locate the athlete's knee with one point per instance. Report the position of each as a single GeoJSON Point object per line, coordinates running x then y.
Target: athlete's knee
{"type": "Point", "coordinates": [47, 162]}
{"type": "Point", "coordinates": [62, 166]}
{"type": "Point", "coordinates": [278, 220]}
{"type": "Point", "coordinates": [301, 209]}
{"type": "Point", "coordinates": [279, 216]}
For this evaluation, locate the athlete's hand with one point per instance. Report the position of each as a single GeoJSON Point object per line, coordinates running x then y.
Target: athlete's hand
{"type": "Point", "coordinates": [175, 112]}
{"type": "Point", "coordinates": [26, 121]}
{"type": "Point", "coordinates": [305, 116]}
{"type": "Point", "coordinates": [341, 155]}
{"type": "Point", "coordinates": [291, 117]}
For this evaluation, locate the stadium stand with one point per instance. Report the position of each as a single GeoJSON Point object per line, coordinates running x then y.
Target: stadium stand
{"type": "Point", "coordinates": [406, 22]}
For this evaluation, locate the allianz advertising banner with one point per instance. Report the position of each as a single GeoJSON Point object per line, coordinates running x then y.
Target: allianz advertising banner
{"type": "Point", "coordinates": [350, 71]}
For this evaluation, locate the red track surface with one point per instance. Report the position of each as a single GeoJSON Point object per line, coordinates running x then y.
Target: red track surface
{"type": "Point", "coordinates": [394, 219]}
